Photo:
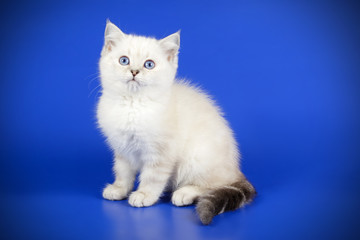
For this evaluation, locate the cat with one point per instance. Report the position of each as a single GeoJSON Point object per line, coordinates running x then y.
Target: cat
{"type": "Point", "coordinates": [168, 130]}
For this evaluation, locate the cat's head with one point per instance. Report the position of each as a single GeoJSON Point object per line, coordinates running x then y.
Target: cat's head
{"type": "Point", "coordinates": [131, 64]}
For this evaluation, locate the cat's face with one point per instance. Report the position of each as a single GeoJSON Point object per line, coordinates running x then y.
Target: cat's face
{"type": "Point", "coordinates": [131, 64]}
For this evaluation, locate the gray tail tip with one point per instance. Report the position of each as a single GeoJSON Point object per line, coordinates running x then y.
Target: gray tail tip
{"type": "Point", "coordinates": [205, 212]}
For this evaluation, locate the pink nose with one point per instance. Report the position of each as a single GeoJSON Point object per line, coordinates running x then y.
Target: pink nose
{"type": "Point", "coordinates": [134, 72]}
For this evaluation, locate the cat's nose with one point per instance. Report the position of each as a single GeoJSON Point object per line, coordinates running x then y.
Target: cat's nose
{"type": "Point", "coordinates": [134, 72]}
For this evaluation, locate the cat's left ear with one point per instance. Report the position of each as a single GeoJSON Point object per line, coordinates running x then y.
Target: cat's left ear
{"type": "Point", "coordinates": [171, 45]}
{"type": "Point", "coordinates": [112, 35]}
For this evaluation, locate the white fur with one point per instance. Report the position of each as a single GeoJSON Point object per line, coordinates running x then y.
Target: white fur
{"type": "Point", "coordinates": [170, 131]}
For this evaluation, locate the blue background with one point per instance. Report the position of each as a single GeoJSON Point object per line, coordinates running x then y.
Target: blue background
{"type": "Point", "coordinates": [285, 72]}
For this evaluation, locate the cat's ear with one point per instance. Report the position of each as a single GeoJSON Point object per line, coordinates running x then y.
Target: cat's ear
{"type": "Point", "coordinates": [171, 45]}
{"type": "Point", "coordinates": [112, 36]}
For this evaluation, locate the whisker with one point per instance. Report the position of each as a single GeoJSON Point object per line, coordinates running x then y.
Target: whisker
{"type": "Point", "coordinates": [92, 80]}
{"type": "Point", "coordinates": [97, 87]}
{"type": "Point", "coordinates": [91, 75]}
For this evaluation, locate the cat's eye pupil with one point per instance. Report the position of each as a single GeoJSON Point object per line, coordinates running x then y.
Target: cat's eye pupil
{"type": "Point", "coordinates": [149, 64]}
{"type": "Point", "coordinates": [124, 60]}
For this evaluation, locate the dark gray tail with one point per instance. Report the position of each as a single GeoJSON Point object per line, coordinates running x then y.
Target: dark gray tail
{"type": "Point", "coordinates": [224, 199]}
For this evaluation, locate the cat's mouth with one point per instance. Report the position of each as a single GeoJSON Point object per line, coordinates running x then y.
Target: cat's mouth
{"type": "Point", "coordinates": [133, 85]}
{"type": "Point", "coordinates": [133, 80]}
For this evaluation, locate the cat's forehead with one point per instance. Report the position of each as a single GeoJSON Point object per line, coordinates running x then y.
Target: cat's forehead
{"type": "Point", "coordinates": [139, 46]}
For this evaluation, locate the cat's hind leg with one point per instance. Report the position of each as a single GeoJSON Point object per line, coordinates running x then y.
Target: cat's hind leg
{"type": "Point", "coordinates": [186, 195]}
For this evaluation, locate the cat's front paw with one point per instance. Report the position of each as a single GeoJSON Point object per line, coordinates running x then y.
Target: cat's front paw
{"type": "Point", "coordinates": [182, 197]}
{"type": "Point", "coordinates": [142, 199]}
{"type": "Point", "coordinates": [114, 192]}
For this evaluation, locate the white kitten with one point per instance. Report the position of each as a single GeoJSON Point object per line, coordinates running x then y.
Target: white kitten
{"type": "Point", "coordinates": [171, 132]}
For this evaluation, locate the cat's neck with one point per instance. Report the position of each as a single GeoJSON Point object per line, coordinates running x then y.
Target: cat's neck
{"type": "Point", "coordinates": [129, 98]}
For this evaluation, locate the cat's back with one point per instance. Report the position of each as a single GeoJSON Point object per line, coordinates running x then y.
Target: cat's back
{"type": "Point", "coordinates": [204, 137]}
{"type": "Point", "coordinates": [194, 101]}
{"type": "Point", "coordinates": [198, 114]}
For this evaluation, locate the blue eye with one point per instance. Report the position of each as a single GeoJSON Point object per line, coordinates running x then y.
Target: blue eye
{"type": "Point", "coordinates": [149, 64]}
{"type": "Point", "coordinates": [124, 61]}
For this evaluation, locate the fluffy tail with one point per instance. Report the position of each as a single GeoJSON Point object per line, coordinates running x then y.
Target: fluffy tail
{"type": "Point", "coordinates": [223, 199]}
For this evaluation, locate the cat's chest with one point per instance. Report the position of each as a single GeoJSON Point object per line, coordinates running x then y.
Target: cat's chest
{"type": "Point", "coordinates": [128, 118]}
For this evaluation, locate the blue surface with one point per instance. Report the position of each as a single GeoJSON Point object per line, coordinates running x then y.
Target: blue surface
{"type": "Point", "coordinates": [285, 72]}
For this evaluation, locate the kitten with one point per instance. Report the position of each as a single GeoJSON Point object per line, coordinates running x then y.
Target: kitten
{"type": "Point", "coordinates": [166, 129]}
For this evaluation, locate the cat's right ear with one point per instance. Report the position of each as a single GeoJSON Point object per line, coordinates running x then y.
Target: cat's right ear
{"type": "Point", "coordinates": [112, 36]}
